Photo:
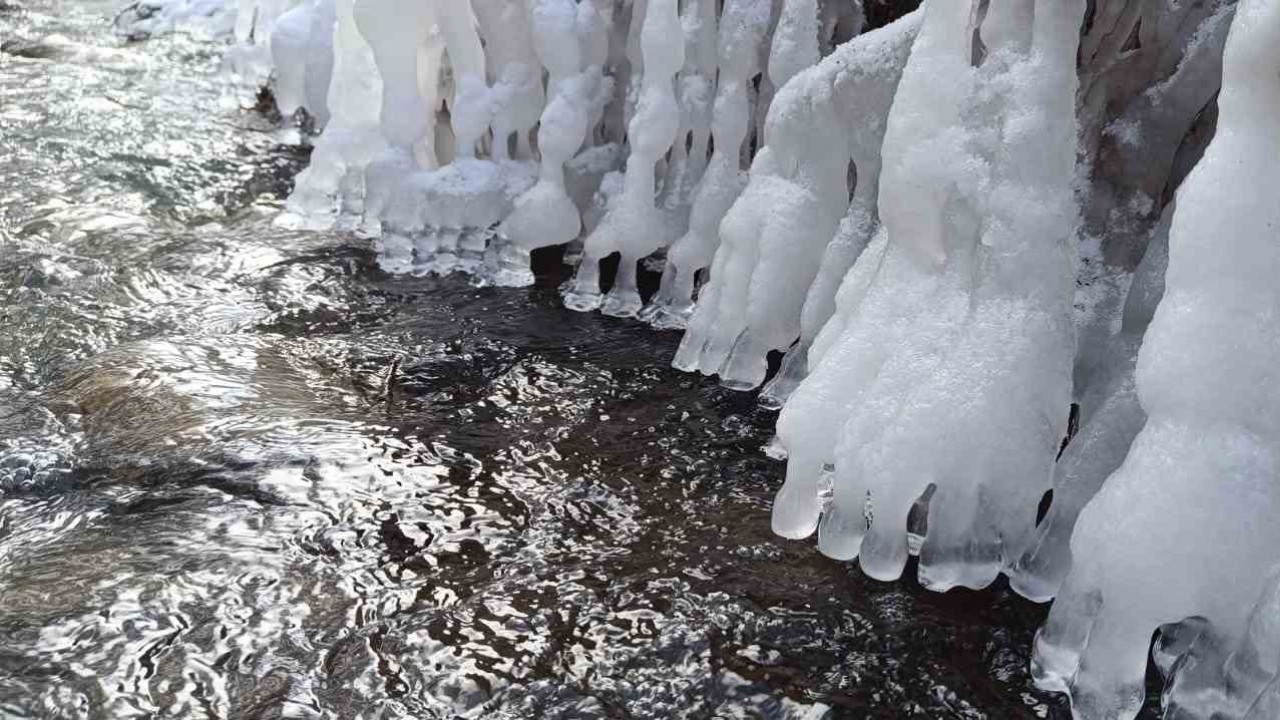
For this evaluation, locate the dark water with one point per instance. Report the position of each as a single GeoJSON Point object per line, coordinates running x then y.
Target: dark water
{"type": "Point", "coordinates": [245, 474]}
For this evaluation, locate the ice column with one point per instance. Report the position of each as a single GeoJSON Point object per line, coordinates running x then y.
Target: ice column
{"type": "Point", "coordinates": [695, 91]}
{"type": "Point", "coordinates": [952, 368]}
{"type": "Point", "coordinates": [1187, 525]}
{"type": "Point", "coordinates": [1110, 417]}
{"type": "Point", "coordinates": [471, 109]}
{"type": "Point", "coordinates": [518, 97]}
{"type": "Point", "coordinates": [635, 227]}
{"type": "Point", "coordinates": [776, 234]}
{"type": "Point", "coordinates": [741, 33]}
{"type": "Point", "coordinates": [795, 41]}
{"type": "Point", "coordinates": [864, 109]}
{"type": "Point", "coordinates": [302, 51]}
{"type": "Point", "coordinates": [352, 138]}
{"type": "Point", "coordinates": [546, 215]}
{"type": "Point", "coordinates": [396, 31]}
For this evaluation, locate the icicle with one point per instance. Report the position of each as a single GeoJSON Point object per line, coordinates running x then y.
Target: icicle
{"type": "Point", "coordinates": [741, 34]}
{"type": "Point", "coordinates": [470, 108]}
{"type": "Point", "coordinates": [795, 41]}
{"type": "Point", "coordinates": [302, 51]}
{"type": "Point", "coordinates": [864, 108]}
{"type": "Point", "coordinates": [396, 31]}
{"type": "Point", "coordinates": [1110, 417]}
{"type": "Point", "coordinates": [952, 372]}
{"type": "Point", "coordinates": [351, 139]}
{"type": "Point", "coordinates": [1200, 488]}
{"type": "Point", "coordinates": [635, 227]}
{"type": "Point", "coordinates": [695, 86]}
{"type": "Point", "coordinates": [435, 147]}
{"type": "Point", "coordinates": [776, 234]}
{"type": "Point", "coordinates": [546, 215]}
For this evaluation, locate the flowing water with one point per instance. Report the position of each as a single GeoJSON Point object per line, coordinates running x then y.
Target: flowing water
{"type": "Point", "coordinates": [246, 474]}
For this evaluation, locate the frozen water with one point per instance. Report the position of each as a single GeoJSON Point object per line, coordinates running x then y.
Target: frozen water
{"type": "Point", "coordinates": [153, 17]}
{"type": "Point", "coordinates": [334, 181]}
{"type": "Point", "coordinates": [546, 215]}
{"type": "Point", "coordinates": [1186, 525]}
{"type": "Point", "coordinates": [776, 235]}
{"type": "Point", "coordinates": [635, 226]}
{"type": "Point", "coordinates": [302, 52]}
{"type": "Point", "coordinates": [740, 35]}
{"type": "Point", "coordinates": [951, 371]}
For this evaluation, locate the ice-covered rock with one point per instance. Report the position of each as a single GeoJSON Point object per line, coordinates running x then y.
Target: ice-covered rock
{"type": "Point", "coordinates": [1186, 527]}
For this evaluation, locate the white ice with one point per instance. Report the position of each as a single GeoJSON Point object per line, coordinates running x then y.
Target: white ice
{"type": "Point", "coordinates": [334, 182]}
{"type": "Point", "coordinates": [634, 227]}
{"type": "Point", "coordinates": [776, 235]}
{"type": "Point", "coordinates": [952, 370]}
{"type": "Point", "coordinates": [1186, 527]}
{"type": "Point", "coordinates": [741, 33]}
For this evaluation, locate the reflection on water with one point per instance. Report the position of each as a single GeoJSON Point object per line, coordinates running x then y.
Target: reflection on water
{"type": "Point", "coordinates": [244, 474]}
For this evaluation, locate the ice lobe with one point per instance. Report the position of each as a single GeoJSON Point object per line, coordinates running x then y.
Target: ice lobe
{"type": "Point", "coordinates": [741, 34]}
{"type": "Point", "coordinates": [952, 368]}
{"type": "Point", "coordinates": [776, 234]}
{"type": "Point", "coordinates": [470, 108]}
{"type": "Point", "coordinates": [517, 95]}
{"type": "Point", "coordinates": [1109, 419]}
{"type": "Point", "coordinates": [302, 51]}
{"type": "Point", "coordinates": [334, 182]}
{"type": "Point", "coordinates": [546, 215]}
{"type": "Point", "coordinates": [1199, 488]}
{"type": "Point", "coordinates": [634, 226]}
{"type": "Point", "coordinates": [397, 32]}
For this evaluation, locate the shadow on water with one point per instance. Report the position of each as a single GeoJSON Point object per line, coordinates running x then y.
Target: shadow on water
{"type": "Point", "coordinates": [246, 474]}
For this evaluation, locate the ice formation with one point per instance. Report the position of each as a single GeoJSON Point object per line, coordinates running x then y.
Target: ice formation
{"type": "Point", "coordinates": [1186, 527]}
{"type": "Point", "coordinates": [546, 215]}
{"type": "Point", "coordinates": [959, 229]}
{"type": "Point", "coordinates": [152, 17]}
{"type": "Point", "coordinates": [334, 181]}
{"type": "Point", "coordinates": [776, 235]}
{"type": "Point", "coordinates": [634, 225]}
{"type": "Point", "coordinates": [740, 34]}
{"type": "Point", "coordinates": [951, 373]}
